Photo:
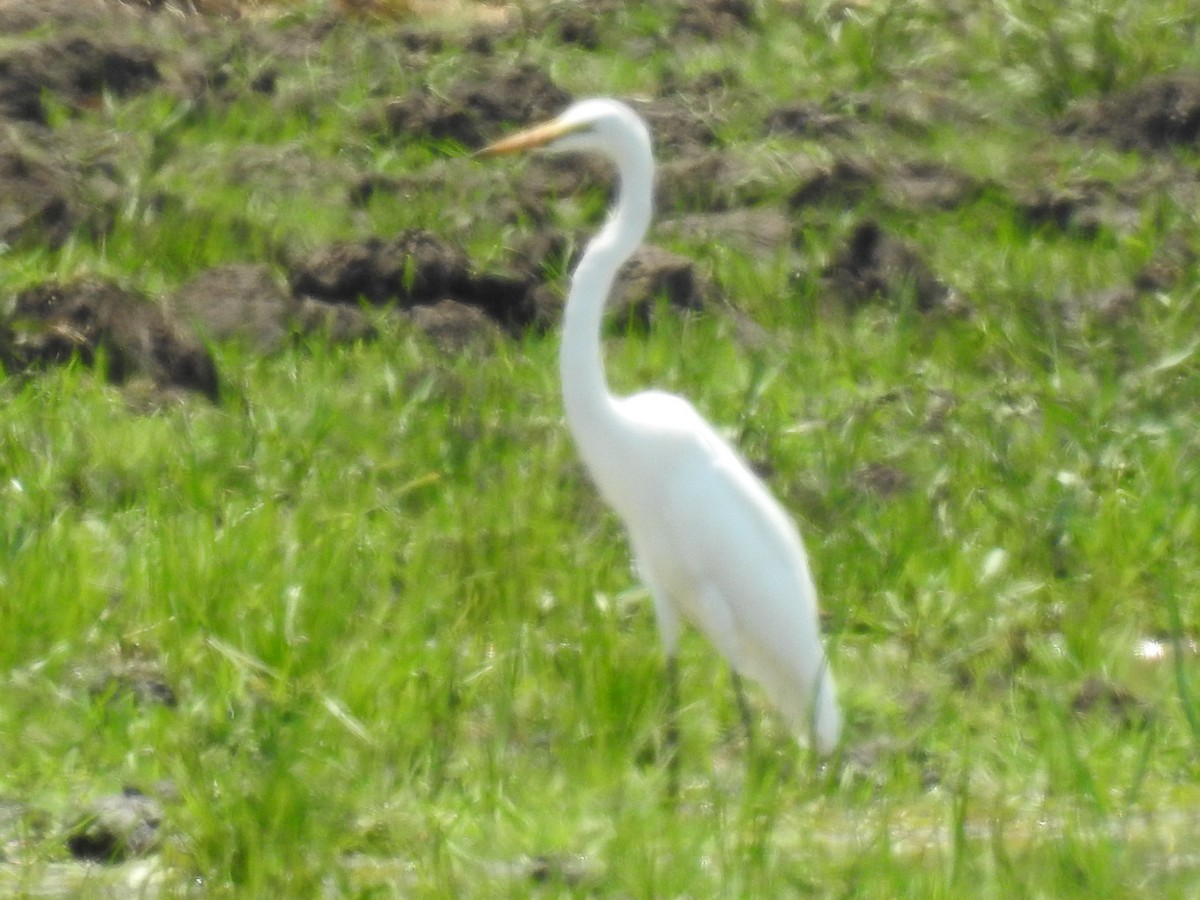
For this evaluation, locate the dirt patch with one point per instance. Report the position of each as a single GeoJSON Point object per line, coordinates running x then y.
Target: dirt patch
{"type": "Point", "coordinates": [881, 479]}
{"type": "Point", "coordinates": [675, 129]}
{"type": "Point", "coordinates": [759, 230]}
{"type": "Point", "coordinates": [807, 119]}
{"type": "Point", "coordinates": [415, 268]}
{"type": "Point", "coordinates": [919, 185]}
{"type": "Point", "coordinates": [843, 182]}
{"type": "Point", "coordinates": [454, 326]}
{"type": "Point", "coordinates": [17, 16]}
{"type": "Point", "coordinates": [37, 201]}
{"type": "Point", "coordinates": [478, 108]}
{"type": "Point", "coordinates": [1159, 113]}
{"type": "Point", "coordinates": [656, 275]}
{"type": "Point", "coordinates": [126, 672]}
{"type": "Point", "coordinates": [239, 302]}
{"type": "Point", "coordinates": [1113, 305]}
{"type": "Point", "coordinates": [245, 302]}
{"type": "Point", "coordinates": [116, 828]}
{"type": "Point", "coordinates": [76, 69]}
{"type": "Point", "coordinates": [92, 320]}
{"type": "Point", "coordinates": [546, 178]}
{"type": "Point", "coordinates": [1097, 694]}
{"type": "Point", "coordinates": [1106, 307]}
{"type": "Point", "coordinates": [706, 182]}
{"type": "Point", "coordinates": [902, 184]}
{"type": "Point", "coordinates": [1173, 259]}
{"type": "Point", "coordinates": [711, 20]}
{"type": "Point", "coordinates": [653, 276]}
{"type": "Point", "coordinates": [335, 322]}
{"type": "Point", "coordinates": [1085, 207]}
{"type": "Point", "coordinates": [875, 265]}
{"type": "Point", "coordinates": [579, 27]}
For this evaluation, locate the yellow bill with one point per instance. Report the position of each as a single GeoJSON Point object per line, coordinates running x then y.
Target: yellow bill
{"type": "Point", "coordinates": [537, 136]}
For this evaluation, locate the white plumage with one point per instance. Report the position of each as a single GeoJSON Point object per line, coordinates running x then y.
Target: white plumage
{"type": "Point", "coordinates": [713, 546]}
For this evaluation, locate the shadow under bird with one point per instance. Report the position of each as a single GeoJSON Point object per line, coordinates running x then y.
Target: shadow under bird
{"type": "Point", "coordinates": [711, 543]}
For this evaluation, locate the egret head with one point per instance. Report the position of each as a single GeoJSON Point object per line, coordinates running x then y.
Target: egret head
{"type": "Point", "coordinates": [598, 125]}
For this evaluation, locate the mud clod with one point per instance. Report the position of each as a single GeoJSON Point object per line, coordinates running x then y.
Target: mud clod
{"type": "Point", "coordinates": [761, 230]}
{"type": "Point", "coordinates": [875, 265]}
{"type": "Point", "coordinates": [881, 479]}
{"type": "Point", "coordinates": [117, 828]}
{"type": "Point", "coordinates": [1159, 113]}
{"type": "Point", "coordinates": [707, 181]}
{"type": "Point", "coordinates": [478, 108]}
{"type": "Point", "coordinates": [454, 326]}
{"type": "Point", "coordinates": [92, 320]}
{"type": "Point", "coordinates": [1098, 694]}
{"type": "Point", "coordinates": [911, 185]}
{"type": "Point", "coordinates": [714, 19]}
{"type": "Point", "coordinates": [843, 182]}
{"type": "Point", "coordinates": [808, 120]}
{"type": "Point", "coordinates": [238, 302]}
{"type": "Point", "coordinates": [413, 269]}
{"type": "Point", "coordinates": [1085, 207]}
{"type": "Point", "coordinates": [655, 274]}
{"type": "Point", "coordinates": [76, 69]}
{"type": "Point", "coordinates": [36, 203]}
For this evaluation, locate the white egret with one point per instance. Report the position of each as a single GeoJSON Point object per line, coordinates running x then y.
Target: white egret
{"type": "Point", "coordinates": [711, 543]}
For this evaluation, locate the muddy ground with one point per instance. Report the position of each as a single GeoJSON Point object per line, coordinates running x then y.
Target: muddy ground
{"type": "Point", "coordinates": [57, 185]}
{"type": "Point", "coordinates": [79, 53]}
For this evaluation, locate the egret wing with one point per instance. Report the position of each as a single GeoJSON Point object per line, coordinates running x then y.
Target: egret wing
{"type": "Point", "coordinates": [746, 560]}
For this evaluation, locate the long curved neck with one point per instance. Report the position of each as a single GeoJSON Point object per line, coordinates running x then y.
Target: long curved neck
{"type": "Point", "coordinates": [590, 407]}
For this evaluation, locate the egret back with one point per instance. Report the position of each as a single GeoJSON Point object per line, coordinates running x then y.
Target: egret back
{"type": "Point", "coordinates": [714, 541]}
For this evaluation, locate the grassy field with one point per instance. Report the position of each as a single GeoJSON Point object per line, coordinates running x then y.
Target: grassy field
{"type": "Point", "coordinates": [408, 654]}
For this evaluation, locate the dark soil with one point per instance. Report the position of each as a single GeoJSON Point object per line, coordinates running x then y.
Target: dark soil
{"type": "Point", "coordinates": [902, 184]}
{"type": "Point", "coordinates": [1160, 113]}
{"type": "Point", "coordinates": [95, 320]}
{"type": "Point", "coordinates": [76, 69]}
{"type": "Point", "coordinates": [116, 828]}
{"type": "Point", "coordinates": [1085, 207]}
{"type": "Point", "coordinates": [239, 302]}
{"type": "Point", "coordinates": [711, 20]}
{"type": "Point", "coordinates": [676, 130]}
{"type": "Point", "coordinates": [412, 269]}
{"type": "Point", "coordinates": [38, 203]}
{"type": "Point", "coordinates": [708, 181]}
{"type": "Point", "coordinates": [875, 265]}
{"type": "Point", "coordinates": [762, 230]}
{"type": "Point", "coordinates": [418, 272]}
{"type": "Point", "coordinates": [125, 674]}
{"type": "Point", "coordinates": [479, 107]}
{"type": "Point", "coordinates": [246, 303]}
{"type": "Point", "coordinates": [807, 119]}
{"type": "Point", "coordinates": [454, 326]}
{"type": "Point", "coordinates": [656, 275]}
{"type": "Point", "coordinates": [60, 181]}
{"type": "Point", "coordinates": [1100, 695]}
{"type": "Point", "coordinates": [335, 322]}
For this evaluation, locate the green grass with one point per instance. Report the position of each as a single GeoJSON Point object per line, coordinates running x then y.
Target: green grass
{"type": "Point", "coordinates": [410, 656]}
